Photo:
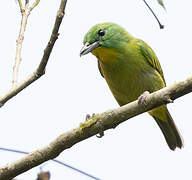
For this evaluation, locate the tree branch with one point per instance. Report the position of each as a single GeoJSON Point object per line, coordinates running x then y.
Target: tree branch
{"type": "Point", "coordinates": [34, 4]}
{"type": "Point", "coordinates": [41, 68]}
{"type": "Point", "coordinates": [20, 5]}
{"type": "Point", "coordinates": [93, 126]}
{"type": "Point", "coordinates": [25, 13]}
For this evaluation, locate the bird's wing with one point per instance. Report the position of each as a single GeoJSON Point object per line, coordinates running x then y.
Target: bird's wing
{"type": "Point", "coordinates": [150, 57]}
{"type": "Point", "coordinates": [99, 67]}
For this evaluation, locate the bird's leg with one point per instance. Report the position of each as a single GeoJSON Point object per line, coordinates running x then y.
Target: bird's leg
{"type": "Point", "coordinates": [142, 98]}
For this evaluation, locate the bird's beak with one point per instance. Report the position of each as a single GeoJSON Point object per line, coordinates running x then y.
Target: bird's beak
{"type": "Point", "coordinates": [89, 47]}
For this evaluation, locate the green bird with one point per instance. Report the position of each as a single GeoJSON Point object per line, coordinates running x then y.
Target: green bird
{"type": "Point", "coordinates": [130, 68]}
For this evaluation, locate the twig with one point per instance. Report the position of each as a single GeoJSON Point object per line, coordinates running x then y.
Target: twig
{"type": "Point", "coordinates": [20, 5]}
{"type": "Point", "coordinates": [160, 25]}
{"type": "Point", "coordinates": [26, 2]}
{"type": "Point", "coordinates": [34, 4]}
{"type": "Point", "coordinates": [93, 126]}
{"type": "Point", "coordinates": [41, 68]}
{"type": "Point", "coordinates": [25, 14]}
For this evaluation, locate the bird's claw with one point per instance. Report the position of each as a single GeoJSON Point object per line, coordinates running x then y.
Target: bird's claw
{"type": "Point", "coordinates": [100, 135]}
{"type": "Point", "coordinates": [142, 98]}
{"type": "Point", "coordinates": [88, 116]}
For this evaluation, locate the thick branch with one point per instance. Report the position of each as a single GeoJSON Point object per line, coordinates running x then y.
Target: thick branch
{"type": "Point", "coordinates": [41, 68]}
{"type": "Point", "coordinates": [93, 126]}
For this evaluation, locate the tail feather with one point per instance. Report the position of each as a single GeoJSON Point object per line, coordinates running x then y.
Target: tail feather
{"type": "Point", "coordinates": [170, 131]}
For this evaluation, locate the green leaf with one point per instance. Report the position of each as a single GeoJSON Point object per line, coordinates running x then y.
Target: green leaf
{"type": "Point", "coordinates": [161, 3]}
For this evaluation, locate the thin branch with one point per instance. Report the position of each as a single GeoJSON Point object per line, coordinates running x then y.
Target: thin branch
{"type": "Point", "coordinates": [41, 68]}
{"type": "Point", "coordinates": [25, 14]}
{"type": "Point", "coordinates": [26, 2]}
{"type": "Point", "coordinates": [93, 126]}
{"type": "Point", "coordinates": [21, 6]}
{"type": "Point", "coordinates": [160, 25]}
{"type": "Point", "coordinates": [34, 5]}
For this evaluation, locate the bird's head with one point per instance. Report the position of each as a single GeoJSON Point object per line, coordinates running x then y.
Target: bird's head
{"type": "Point", "coordinates": [104, 36]}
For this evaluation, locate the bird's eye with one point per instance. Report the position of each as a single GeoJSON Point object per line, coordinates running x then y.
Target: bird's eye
{"type": "Point", "coordinates": [101, 32]}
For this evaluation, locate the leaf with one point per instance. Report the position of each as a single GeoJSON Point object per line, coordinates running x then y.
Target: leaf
{"type": "Point", "coordinates": [161, 3]}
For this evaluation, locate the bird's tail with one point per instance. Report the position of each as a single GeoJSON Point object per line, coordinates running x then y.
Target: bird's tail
{"type": "Point", "coordinates": [167, 126]}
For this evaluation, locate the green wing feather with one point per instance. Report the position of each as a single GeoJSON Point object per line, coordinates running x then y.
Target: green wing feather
{"type": "Point", "coordinates": [150, 57]}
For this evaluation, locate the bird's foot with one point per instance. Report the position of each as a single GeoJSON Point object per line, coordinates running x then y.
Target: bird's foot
{"type": "Point", "coordinates": [89, 121]}
{"type": "Point", "coordinates": [101, 134]}
{"type": "Point", "coordinates": [142, 98]}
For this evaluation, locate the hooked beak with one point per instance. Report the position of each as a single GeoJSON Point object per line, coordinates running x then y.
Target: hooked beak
{"type": "Point", "coordinates": [88, 48]}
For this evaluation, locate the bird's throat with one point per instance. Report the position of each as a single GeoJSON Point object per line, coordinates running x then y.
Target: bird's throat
{"type": "Point", "coordinates": [106, 55]}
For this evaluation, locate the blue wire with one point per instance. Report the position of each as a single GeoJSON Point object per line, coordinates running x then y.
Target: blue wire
{"type": "Point", "coordinates": [55, 160]}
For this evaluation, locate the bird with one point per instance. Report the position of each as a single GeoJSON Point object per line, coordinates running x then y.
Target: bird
{"type": "Point", "coordinates": [131, 70]}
